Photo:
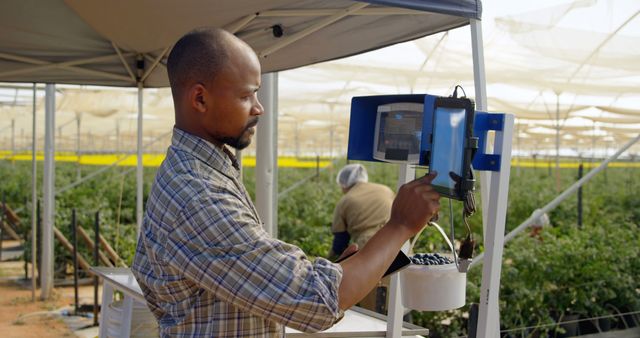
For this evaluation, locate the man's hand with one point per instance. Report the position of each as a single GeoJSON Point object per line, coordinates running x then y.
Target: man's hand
{"type": "Point", "coordinates": [417, 202]}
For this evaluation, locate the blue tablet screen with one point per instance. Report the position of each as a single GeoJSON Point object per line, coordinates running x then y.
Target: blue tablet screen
{"type": "Point", "coordinates": [448, 145]}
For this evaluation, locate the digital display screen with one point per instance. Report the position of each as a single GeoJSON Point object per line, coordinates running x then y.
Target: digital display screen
{"type": "Point", "coordinates": [400, 132]}
{"type": "Point", "coordinates": [447, 145]}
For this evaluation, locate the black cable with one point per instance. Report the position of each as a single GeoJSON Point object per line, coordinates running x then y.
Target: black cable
{"type": "Point", "coordinates": [455, 92]}
{"type": "Point", "coordinates": [467, 245]}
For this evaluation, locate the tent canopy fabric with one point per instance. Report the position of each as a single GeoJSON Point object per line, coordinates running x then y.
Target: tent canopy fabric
{"type": "Point", "coordinates": [102, 42]}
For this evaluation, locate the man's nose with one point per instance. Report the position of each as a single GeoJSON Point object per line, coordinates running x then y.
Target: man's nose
{"type": "Point", "coordinates": [258, 109]}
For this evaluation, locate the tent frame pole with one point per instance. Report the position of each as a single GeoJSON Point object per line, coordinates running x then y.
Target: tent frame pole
{"type": "Point", "coordinates": [34, 196]}
{"type": "Point", "coordinates": [139, 167]}
{"type": "Point", "coordinates": [48, 191]}
{"type": "Point", "coordinates": [40, 65]}
{"type": "Point", "coordinates": [267, 155]}
{"type": "Point", "coordinates": [494, 192]}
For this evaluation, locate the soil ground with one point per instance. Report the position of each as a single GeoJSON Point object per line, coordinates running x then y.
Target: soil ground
{"type": "Point", "coordinates": [20, 316]}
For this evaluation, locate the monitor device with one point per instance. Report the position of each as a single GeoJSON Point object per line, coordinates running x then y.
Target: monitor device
{"type": "Point", "coordinates": [398, 132]}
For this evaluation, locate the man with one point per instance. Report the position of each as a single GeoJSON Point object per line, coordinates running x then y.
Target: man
{"type": "Point", "coordinates": [359, 214]}
{"type": "Point", "coordinates": [206, 266]}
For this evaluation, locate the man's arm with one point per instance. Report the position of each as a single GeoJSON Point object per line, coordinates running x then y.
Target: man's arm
{"type": "Point", "coordinates": [413, 207]}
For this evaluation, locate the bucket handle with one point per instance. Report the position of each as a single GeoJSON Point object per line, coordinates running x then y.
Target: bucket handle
{"type": "Point", "coordinates": [444, 235]}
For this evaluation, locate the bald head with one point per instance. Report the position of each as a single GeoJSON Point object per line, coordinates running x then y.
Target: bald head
{"type": "Point", "coordinates": [214, 79]}
{"type": "Point", "coordinates": [198, 56]}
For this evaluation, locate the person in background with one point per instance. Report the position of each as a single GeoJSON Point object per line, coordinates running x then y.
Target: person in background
{"type": "Point", "coordinates": [363, 209]}
{"type": "Point", "coordinates": [539, 224]}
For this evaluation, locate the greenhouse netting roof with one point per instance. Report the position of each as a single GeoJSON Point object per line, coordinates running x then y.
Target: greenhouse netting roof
{"type": "Point", "coordinates": [570, 67]}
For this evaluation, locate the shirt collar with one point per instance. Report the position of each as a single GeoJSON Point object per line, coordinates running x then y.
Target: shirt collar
{"type": "Point", "coordinates": [219, 158]}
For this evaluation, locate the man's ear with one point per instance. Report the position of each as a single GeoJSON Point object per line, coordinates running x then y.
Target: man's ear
{"type": "Point", "coordinates": [198, 98]}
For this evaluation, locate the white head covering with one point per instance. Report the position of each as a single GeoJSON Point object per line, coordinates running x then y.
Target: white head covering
{"type": "Point", "coordinates": [541, 221]}
{"type": "Point", "coordinates": [351, 174]}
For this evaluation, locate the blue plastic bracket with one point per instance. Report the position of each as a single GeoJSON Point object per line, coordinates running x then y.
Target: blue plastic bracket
{"type": "Point", "coordinates": [484, 122]}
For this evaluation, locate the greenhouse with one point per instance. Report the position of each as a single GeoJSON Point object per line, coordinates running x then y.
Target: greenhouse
{"type": "Point", "coordinates": [543, 242]}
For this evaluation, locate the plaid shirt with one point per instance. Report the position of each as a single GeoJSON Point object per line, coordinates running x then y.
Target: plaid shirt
{"type": "Point", "coordinates": [207, 267]}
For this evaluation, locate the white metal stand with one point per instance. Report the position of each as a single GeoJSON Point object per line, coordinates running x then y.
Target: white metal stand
{"type": "Point", "coordinates": [139, 167]}
{"type": "Point", "coordinates": [34, 197]}
{"type": "Point", "coordinates": [480, 83]}
{"type": "Point", "coordinates": [406, 174]}
{"type": "Point", "coordinates": [122, 280]}
{"type": "Point", "coordinates": [496, 210]}
{"type": "Point", "coordinates": [48, 192]}
{"type": "Point", "coordinates": [267, 155]}
{"type": "Point", "coordinates": [494, 187]}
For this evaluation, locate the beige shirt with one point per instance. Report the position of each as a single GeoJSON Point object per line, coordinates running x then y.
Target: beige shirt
{"type": "Point", "coordinates": [363, 210]}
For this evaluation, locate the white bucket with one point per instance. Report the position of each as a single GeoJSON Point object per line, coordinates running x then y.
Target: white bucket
{"type": "Point", "coordinates": [433, 287]}
{"type": "Point", "coordinates": [143, 322]}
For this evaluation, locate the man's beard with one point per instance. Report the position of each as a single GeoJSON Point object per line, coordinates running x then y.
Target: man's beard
{"type": "Point", "coordinates": [238, 143]}
{"type": "Point", "coordinates": [243, 140]}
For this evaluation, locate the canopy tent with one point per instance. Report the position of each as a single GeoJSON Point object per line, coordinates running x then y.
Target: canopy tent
{"type": "Point", "coordinates": [125, 44]}
{"type": "Point", "coordinates": [94, 42]}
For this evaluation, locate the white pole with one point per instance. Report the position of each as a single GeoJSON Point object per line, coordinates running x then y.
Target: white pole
{"type": "Point", "coordinates": [479, 80]}
{"type": "Point", "coordinates": [34, 197]}
{"type": "Point", "coordinates": [267, 155]}
{"type": "Point", "coordinates": [117, 138]}
{"type": "Point", "coordinates": [487, 322]}
{"type": "Point", "coordinates": [78, 173]}
{"type": "Point", "coordinates": [13, 138]}
{"type": "Point", "coordinates": [46, 272]}
{"type": "Point", "coordinates": [489, 312]}
{"type": "Point", "coordinates": [557, 142]}
{"type": "Point", "coordinates": [139, 168]}
{"type": "Point", "coordinates": [406, 173]}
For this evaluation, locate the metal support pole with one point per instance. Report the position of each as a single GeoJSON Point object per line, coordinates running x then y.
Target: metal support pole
{"type": "Point", "coordinates": [48, 188]}
{"type": "Point", "coordinates": [580, 171]}
{"type": "Point", "coordinates": [479, 80]}
{"type": "Point", "coordinates": [139, 168]}
{"type": "Point", "coordinates": [26, 239]}
{"type": "Point", "coordinates": [74, 239]}
{"type": "Point", "coordinates": [96, 262]}
{"type": "Point", "coordinates": [267, 155]}
{"type": "Point", "coordinates": [38, 240]}
{"type": "Point", "coordinates": [496, 210]}
{"type": "Point", "coordinates": [78, 172]}
{"type": "Point", "coordinates": [487, 322]}
{"type": "Point", "coordinates": [13, 140]}
{"type": "Point", "coordinates": [117, 138]}
{"type": "Point", "coordinates": [557, 143]}
{"type": "Point", "coordinates": [406, 173]}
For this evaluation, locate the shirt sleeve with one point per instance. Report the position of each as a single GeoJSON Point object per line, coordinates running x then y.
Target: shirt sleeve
{"type": "Point", "coordinates": [221, 246]}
